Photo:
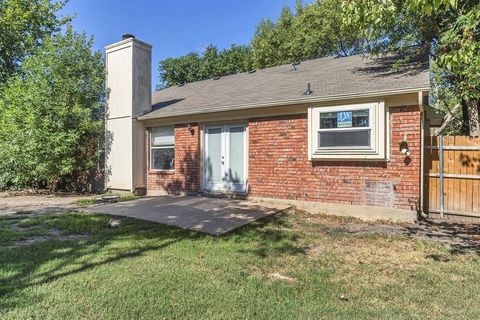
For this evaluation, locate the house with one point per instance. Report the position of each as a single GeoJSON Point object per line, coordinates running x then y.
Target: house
{"type": "Point", "coordinates": [333, 134]}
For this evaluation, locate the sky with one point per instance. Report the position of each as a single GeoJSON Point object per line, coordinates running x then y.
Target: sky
{"type": "Point", "coordinates": [173, 28]}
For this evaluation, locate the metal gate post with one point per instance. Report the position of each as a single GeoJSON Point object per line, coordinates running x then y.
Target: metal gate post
{"type": "Point", "coordinates": [440, 158]}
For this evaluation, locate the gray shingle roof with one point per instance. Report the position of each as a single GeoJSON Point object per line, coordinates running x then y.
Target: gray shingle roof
{"type": "Point", "coordinates": [330, 77]}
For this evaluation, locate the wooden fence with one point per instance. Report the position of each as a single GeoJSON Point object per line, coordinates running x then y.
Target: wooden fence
{"type": "Point", "coordinates": [452, 176]}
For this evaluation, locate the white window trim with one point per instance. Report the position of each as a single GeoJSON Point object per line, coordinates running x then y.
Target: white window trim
{"type": "Point", "coordinates": [166, 146]}
{"type": "Point", "coordinates": [377, 125]}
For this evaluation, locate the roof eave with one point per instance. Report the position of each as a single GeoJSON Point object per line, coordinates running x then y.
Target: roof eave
{"type": "Point", "coordinates": [299, 100]}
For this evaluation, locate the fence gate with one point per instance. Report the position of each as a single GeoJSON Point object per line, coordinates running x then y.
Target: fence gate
{"type": "Point", "coordinates": [452, 177]}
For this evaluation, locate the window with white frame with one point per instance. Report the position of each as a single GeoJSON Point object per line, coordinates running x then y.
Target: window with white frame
{"type": "Point", "coordinates": [162, 148]}
{"type": "Point", "coordinates": [347, 128]}
{"type": "Point", "coordinates": [347, 131]}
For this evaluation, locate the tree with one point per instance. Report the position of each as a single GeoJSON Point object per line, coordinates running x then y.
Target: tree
{"type": "Point", "coordinates": [446, 30]}
{"type": "Point", "coordinates": [23, 26]}
{"type": "Point", "coordinates": [174, 71]}
{"type": "Point", "coordinates": [210, 64]}
{"type": "Point", "coordinates": [458, 63]}
{"type": "Point", "coordinates": [51, 114]}
{"type": "Point", "coordinates": [313, 31]}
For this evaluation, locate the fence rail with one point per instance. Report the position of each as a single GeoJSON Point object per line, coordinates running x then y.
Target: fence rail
{"type": "Point", "coordinates": [452, 175]}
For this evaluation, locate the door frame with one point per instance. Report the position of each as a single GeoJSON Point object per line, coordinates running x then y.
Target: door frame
{"type": "Point", "coordinates": [224, 125]}
{"type": "Point", "coordinates": [214, 187]}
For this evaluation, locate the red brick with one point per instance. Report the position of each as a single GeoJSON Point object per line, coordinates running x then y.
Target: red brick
{"type": "Point", "coordinates": [274, 140]}
{"type": "Point", "coordinates": [186, 177]}
{"type": "Point", "coordinates": [279, 167]}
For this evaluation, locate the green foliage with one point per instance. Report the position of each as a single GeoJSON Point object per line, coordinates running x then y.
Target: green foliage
{"type": "Point", "coordinates": [51, 114]}
{"type": "Point", "coordinates": [128, 197]}
{"type": "Point", "coordinates": [398, 26]}
{"type": "Point", "coordinates": [459, 54]}
{"type": "Point", "coordinates": [447, 30]}
{"type": "Point", "coordinates": [210, 64]}
{"type": "Point", "coordinates": [314, 31]}
{"type": "Point", "coordinates": [23, 26]}
{"type": "Point", "coordinates": [456, 73]}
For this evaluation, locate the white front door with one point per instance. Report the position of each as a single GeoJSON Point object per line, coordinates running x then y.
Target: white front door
{"type": "Point", "coordinates": [224, 158]}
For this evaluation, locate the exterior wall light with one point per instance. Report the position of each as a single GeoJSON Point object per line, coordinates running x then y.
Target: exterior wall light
{"type": "Point", "coordinates": [404, 146]}
{"type": "Point", "coordinates": [192, 131]}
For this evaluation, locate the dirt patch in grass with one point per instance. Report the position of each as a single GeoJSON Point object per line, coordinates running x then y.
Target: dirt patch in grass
{"type": "Point", "coordinates": [281, 277]}
{"type": "Point", "coordinates": [37, 204]}
{"type": "Point", "coordinates": [52, 235]}
{"type": "Point", "coordinates": [22, 230]}
{"type": "Point", "coordinates": [49, 234]}
{"type": "Point", "coordinates": [460, 237]}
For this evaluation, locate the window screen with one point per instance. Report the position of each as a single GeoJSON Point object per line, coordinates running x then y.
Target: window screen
{"type": "Point", "coordinates": [162, 149]}
{"type": "Point", "coordinates": [348, 128]}
{"type": "Point", "coordinates": [344, 138]}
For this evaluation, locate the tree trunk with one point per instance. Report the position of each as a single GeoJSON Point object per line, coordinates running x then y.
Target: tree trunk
{"type": "Point", "coordinates": [473, 109]}
{"type": "Point", "coordinates": [465, 118]}
{"type": "Point", "coordinates": [449, 117]}
{"type": "Point", "coordinates": [52, 186]}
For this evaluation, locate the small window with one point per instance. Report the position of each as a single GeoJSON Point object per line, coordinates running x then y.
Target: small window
{"type": "Point", "coordinates": [162, 148]}
{"type": "Point", "coordinates": [356, 131]}
{"type": "Point", "coordinates": [348, 128]}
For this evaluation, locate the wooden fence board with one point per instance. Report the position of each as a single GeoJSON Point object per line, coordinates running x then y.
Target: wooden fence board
{"type": "Point", "coordinates": [461, 167]}
{"type": "Point", "coordinates": [469, 171]}
{"type": "Point", "coordinates": [476, 184]}
{"type": "Point", "coordinates": [450, 183]}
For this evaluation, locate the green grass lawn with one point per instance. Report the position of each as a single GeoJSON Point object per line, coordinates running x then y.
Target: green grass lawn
{"type": "Point", "coordinates": [281, 268]}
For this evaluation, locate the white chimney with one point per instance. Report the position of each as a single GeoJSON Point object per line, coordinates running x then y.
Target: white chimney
{"type": "Point", "coordinates": [129, 84]}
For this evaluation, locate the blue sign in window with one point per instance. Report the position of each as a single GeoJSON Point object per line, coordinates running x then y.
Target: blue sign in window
{"type": "Point", "coordinates": [344, 119]}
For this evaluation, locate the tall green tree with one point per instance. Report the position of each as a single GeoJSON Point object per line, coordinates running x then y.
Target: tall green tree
{"type": "Point", "coordinates": [51, 114]}
{"type": "Point", "coordinates": [23, 26]}
{"type": "Point", "coordinates": [210, 64]}
{"type": "Point", "coordinates": [446, 30]}
{"type": "Point", "coordinates": [313, 31]}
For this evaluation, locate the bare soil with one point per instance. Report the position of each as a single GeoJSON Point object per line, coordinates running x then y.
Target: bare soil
{"type": "Point", "coordinates": [50, 236]}
{"type": "Point", "coordinates": [11, 203]}
{"type": "Point", "coordinates": [458, 236]}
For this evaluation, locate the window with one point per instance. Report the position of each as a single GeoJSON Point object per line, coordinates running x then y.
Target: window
{"type": "Point", "coordinates": [349, 128]}
{"type": "Point", "coordinates": [162, 149]}
{"type": "Point", "coordinates": [347, 132]}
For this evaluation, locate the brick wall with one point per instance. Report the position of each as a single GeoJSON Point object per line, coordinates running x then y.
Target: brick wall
{"type": "Point", "coordinates": [186, 177]}
{"type": "Point", "coordinates": [279, 166]}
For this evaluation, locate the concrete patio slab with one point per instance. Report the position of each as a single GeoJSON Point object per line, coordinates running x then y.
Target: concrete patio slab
{"type": "Point", "coordinates": [209, 215]}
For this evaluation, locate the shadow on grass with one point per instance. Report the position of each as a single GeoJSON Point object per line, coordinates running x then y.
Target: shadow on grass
{"type": "Point", "coordinates": [271, 235]}
{"type": "Point", "coordinates": [462, 238]}
{"type": "Point", "coordinates": [23, 267]}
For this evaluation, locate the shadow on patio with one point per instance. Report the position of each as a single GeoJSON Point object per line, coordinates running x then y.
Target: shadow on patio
{"type": "Point", "coordinates": [209, 215]}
